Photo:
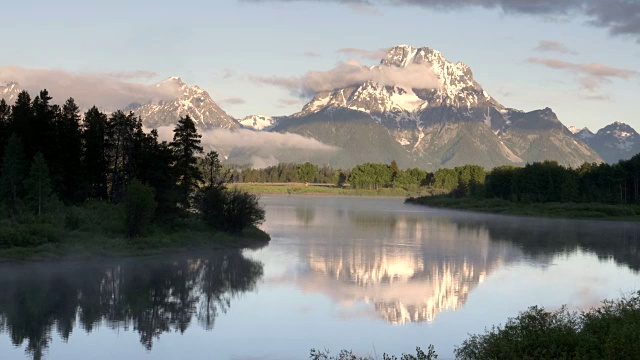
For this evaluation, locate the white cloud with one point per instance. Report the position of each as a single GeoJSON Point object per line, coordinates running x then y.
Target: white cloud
{"type": "Point", "coordinates": [106, 91]}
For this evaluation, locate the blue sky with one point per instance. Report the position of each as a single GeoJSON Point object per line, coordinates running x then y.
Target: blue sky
{"type": "Point", "coordinates": [221, 45]}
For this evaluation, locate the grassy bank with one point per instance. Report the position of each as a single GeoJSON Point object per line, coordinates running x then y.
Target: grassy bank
{"type": "Point", "coordinates": [551, 210]}
{"type": "Point", "coordinates": [97, 230]}
{"type": "Point", "coordinates": [325, 189]}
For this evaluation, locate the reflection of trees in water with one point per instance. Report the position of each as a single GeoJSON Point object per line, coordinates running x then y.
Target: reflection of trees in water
{"type": "Point", "coordinates": [545, 238]}
{"type": "Point", "coordinates": [305, 213]}
{"type": "Point", "coordinates": [150, 296]}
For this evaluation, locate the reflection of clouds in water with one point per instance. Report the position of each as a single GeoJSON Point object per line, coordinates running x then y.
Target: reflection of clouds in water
{"type": "Point", "coordinates": [411, 264]}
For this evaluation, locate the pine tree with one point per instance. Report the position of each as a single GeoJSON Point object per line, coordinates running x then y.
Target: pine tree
{"type": "Point", "coordinates": [42, 135]}
{"type": "Point", "coordinates": [217, 177]}
{"type": "Point", "coordinates": [38, 184]}
{"type": "Point", "coordinates": [121, 137]}
{"type": "Point", "coordinates": [70, 138]}
{"type": "Point", "coordinates": [5, 125]}
{"type": "Point", "coordinates": [186, 145]}
{"type": "Point", "coordinates": [12, 172]}
{"type": "Point", "coordinates": [94, 157]}
{"type": "Point", "coordinates": [22, 117]}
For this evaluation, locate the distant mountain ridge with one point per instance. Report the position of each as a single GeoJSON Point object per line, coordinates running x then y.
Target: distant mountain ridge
{"type": "Point", "coordinates": [452, 123]}
{"type": "Point", "coordinates": [192, 101]}
{"type": "Point", "coordinates": [614, 142]}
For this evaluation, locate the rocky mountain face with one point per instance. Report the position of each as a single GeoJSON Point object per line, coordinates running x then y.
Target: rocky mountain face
{"type": "Point", "coordinates": [192, 101]}
{"type": "Point", "coordinates": [452, 123]}
{"type": "Point", "coordinates": [9, 92]}
{"type": "Point", "coordinates": [614, 142]}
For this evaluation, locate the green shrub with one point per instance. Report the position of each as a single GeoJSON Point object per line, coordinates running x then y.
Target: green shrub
{"type": "Point", "coordinates": [230, 210]}
{"type": "Point", "coordinates": [608, 332]}
{"type": "Point", "coordinates": [139, 207]}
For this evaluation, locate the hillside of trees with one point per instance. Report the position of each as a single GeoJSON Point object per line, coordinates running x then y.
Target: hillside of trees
{"type": "Point", "coordinates": [60, 167]}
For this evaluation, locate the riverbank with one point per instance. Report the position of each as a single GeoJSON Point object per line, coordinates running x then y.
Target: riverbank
{"type": "Point", "coordinates": [547, 210]}
{"type": "Point", "coordinates": [97, 230]}
{"type": "Point", "coordinates": [324, 189]}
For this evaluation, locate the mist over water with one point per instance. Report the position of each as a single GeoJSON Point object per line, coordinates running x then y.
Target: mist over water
{"type": "Point", "coordinates": [368, 274]}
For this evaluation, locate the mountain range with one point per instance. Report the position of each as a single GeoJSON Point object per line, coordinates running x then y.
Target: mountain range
{"type": "Point", "coordinates": [451, 122]}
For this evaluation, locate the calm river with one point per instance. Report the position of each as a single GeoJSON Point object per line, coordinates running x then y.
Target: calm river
{"type": "Point", "coordinates": [368, 274]}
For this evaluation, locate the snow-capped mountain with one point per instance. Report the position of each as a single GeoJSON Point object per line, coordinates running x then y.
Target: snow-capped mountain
{"type": "Point", "coordinates": [614, 142]}
{"type": "Point", "coordinates": [192, 101]}
{"type": "Point", "coordinates": [9, 92]}
{"type": "Point", "coordinates": [451, 123]}
{"type": "Point", "coordinates": [259, 122]}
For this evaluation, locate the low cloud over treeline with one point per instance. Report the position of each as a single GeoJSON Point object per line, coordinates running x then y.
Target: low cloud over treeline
{"type": "Point", "coordinates": [265, 146]}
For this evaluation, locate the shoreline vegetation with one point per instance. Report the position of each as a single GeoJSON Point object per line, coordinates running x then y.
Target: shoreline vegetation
{"type": "Point", "coordinates": [610, 331]}
{"type": "Point", "coordinates": [327, 189]}
{"type": "Point", "coordinates": [98, 185]}
{"type": "Point", "coordinates": [554, 210]}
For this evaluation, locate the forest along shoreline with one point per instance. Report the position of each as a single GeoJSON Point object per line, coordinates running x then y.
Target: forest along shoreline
{"type": "Point", "coordinates": [546, 189]}
{"type": "Point", "coordinates": [98, 185]}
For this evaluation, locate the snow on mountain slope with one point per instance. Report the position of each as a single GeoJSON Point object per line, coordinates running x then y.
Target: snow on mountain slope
{"type": "Point", "coordinates": [452, 122]}
{"type": "Point", "coordinates": [258, 122]}
{"type": "Point", "coordinates": [9, 92]}
{"type": "Point", "coordinates": [192, 101]}
{"type": "Point", "coordinates": [614, 142]}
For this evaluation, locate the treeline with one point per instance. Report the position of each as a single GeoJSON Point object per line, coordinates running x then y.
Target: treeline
{"type": "Point", "coordinates": [53, 156]}
{"type": "Point", "coordinates": [365, 176]}
{"type": "Point", "coordinates": [541, 182]}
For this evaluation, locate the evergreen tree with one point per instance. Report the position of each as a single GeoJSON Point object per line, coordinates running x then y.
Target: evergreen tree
{"type": "Point", "coordinates": [38, 185]}
{"type": "Point", "coordinates": [70, 139]}
{"type": "Point", "coordinates": [216, 176]}
{"type": "Point", "coordinates": [121, 137]}
{"type": "Point", "coordinates": [5, 125]}
{"type": "Point", "coordinates": [42, 133]}
{"type": "Point", "coordinates": [186, 145]}
{"type": "Point", "coordinates": [22, 117]}
{"type": "Point", "coordinates": [94, 157]}
{"type": "Point", "coordinates": [12, 172]}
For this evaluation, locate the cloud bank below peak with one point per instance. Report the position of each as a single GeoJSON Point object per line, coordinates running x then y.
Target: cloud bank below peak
{"type": "Point", "coordinates": [619, 17]}
{"type": "Point", "coordinates": [346, 74]}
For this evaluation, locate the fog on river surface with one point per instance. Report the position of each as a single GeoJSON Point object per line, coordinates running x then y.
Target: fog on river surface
{"type": "Point", "coordinates": [369, 274]}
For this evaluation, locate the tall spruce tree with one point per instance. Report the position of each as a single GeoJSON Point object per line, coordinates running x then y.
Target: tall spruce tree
{"type": "Point", "coordinates": [186, 145]}
{"type": "Point", "coordinates": [13, 168]}
{"type": "Point", "coordinates": [69, 137]}
{"type": "Point", "coordinates": [121, 136]}
{"type": "Point", "coordinates": [5, 125]}
{"type": "Point", "coordinates": [42, 135]}
{"type": "Point", "coordinates": [21, 116]}
{"type": "Point", "coordinates": [94, 154]}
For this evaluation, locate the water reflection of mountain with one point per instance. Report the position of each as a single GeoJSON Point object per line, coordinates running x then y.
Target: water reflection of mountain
{"type": "Point", "coordinates": [151, 296]}
{"type": "Point", "coordinates": [413, 265]}
{"type": "Point", "coordinates": [410, 267]}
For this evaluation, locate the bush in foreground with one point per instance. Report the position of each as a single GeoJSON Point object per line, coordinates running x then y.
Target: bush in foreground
{"type": "Point", "coordinates": [230, 210]}
{"type": "Point", "coordinates": [608, 332]}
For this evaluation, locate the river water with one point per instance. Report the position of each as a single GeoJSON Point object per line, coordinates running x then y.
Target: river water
{"type": "Point", "coordinates": [369, 274]}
